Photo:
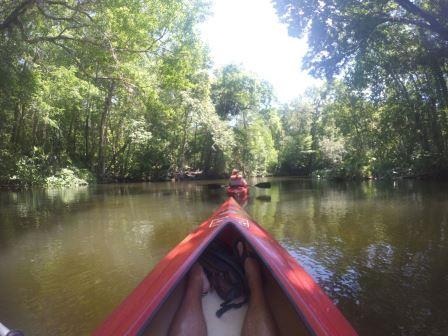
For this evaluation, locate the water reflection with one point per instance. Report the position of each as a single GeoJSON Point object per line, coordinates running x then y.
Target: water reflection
{"type": "Point", "coordinates": [264, 198]}
{"type": "Point", "coordinates": [68, 257]}
{"type": "Point", "coordinates": [379, 251]}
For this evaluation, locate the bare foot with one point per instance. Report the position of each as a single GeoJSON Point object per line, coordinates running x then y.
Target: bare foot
{"type": "Point", "coordinates": [259, 319]}
{"type": "Point", "coordinates": [189, 318]}
{"type": "Point", "coordinates": [197, 279]}
{"type": "Point", "coordinates": [251, 267]}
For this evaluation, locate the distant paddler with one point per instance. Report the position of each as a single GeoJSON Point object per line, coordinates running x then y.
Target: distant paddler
{"type": "Point", "coordinates": [236, 179]}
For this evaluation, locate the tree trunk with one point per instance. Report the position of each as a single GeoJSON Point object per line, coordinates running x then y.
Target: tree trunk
{"type": "Point", "coordinates": [421, 125]}
{"type": "Point", "coordinates": [443, 109]}
{"type": "Point", "coordinates": [35, 128]}
{"type": "Point", "coordinates": [71, 136]}
{"type": "Point", "coordinates": [183, 144]}
{"type": "Point", "coordinates": [86, 139]}
{"type": "Point", "coordinates": [15, 126]}
{"type": "Point", "coordinates": [103, 131]}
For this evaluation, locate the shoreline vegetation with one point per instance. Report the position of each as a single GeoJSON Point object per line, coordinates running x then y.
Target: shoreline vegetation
{"type": "Point", "coordinates": [124, 91]}
{"type": "Point", "coordinates": [68, 179]}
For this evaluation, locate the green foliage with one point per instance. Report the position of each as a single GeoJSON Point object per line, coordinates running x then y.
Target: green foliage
{"type": "Point", "coordinates": [392, 56]}
{"type": "Point", "coordinates": [235, 92]}
{"type": "Point", "coordinates": [262, 153]}
{"type": "Point", "coordinates": [30, 170]}
{"type": "Point", "coordinates": [296, 156]}
{"type": "Point", "coordinates": [69, 177]}
{"type": "Point", "coordinates": [122, 89]}
{"type": "Point", "coordinates": [244, 102]}
{"type": "Point", "coordinates": [112, 86]}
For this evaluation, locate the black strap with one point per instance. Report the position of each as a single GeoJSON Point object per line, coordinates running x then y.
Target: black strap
{"type": "Point", "coordinates": [219, 256]}
{"type": "Point", "coordinates": [225, 306]}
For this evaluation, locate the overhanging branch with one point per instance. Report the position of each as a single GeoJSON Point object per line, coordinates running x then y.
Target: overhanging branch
{"type": "Point", "coordinates": [433, 24]}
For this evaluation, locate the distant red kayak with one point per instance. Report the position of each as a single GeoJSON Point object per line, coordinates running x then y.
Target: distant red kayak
{"type": "Point", "coordinates": [237, 192]}
{"type": "Point", "coordinates": [299, 305]}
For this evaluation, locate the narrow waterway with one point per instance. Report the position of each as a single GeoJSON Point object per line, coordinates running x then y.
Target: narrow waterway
{"type": "Point", "coordinates": [379, 249]}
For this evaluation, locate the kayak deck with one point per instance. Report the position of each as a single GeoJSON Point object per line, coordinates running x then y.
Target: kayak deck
{"type": "Point", "coordinates": [299, 306]}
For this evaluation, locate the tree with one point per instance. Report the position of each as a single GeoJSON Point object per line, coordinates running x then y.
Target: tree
{"type": "Point", "coordinates": [246, 103]}
{"type": "Point", "coordinates": [393, 56]}
{"type": "Point", "coordinates": [116, 64]}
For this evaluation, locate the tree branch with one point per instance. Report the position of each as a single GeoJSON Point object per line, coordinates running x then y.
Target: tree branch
{"type": "Point", "coordinates": [62, 37]}
{"type": "Point", "coordinates": [73, 8]}
{"type": "Point", "coordinates": [407, 21]}
{"type": "Point", "coordinates": [433, 24]}
{"type": "Point", "coordinates": [12, 18]}
{"type": "Point", "coordinates": [55, 18]}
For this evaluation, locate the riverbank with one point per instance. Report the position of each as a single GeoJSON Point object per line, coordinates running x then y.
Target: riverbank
{"type": "Point", "coordinates": [69, 179]}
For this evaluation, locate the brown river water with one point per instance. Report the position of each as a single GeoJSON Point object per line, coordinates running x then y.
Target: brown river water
{"type": "Point", "coordinates": [379, 249]}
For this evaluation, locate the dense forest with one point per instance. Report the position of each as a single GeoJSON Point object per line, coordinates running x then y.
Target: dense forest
{"type": "Point", "coordinates": [124, 90]}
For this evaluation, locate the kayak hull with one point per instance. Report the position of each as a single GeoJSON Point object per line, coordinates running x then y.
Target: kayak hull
{"type": "Point", "coordinates": [309, 303]}
{"type": "Point", "coordinates": [237, 192]}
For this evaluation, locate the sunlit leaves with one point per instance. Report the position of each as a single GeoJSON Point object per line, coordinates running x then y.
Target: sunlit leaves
{"type": "Point", "coordinates": [245, 102]}
{"type": "Point", "coordinates": [102, 83]}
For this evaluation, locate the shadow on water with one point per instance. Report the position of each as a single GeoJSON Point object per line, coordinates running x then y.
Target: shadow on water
{"type": "Point", "coordinates": [379, 249]}
{"type": "Point", "coordinates": [264, 198]}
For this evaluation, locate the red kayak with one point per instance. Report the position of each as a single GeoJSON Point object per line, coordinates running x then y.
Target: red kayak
{"type": "Point", "coordinates": [299, 305]}
{"type": "Point", "coordinates": [237, 192]}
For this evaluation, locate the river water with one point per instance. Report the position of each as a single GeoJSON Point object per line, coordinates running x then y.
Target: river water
{"type": "Point", "coordinates": [379, 249]}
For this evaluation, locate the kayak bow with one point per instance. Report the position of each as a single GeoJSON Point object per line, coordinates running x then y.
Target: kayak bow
{"type": "Point", "coordinates": [299, 305]}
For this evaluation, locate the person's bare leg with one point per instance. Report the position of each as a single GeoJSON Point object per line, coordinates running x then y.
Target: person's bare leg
{"type": "Point", "coordinates": [189, 318]}
{"type": "Point", "coordinates": [259, 320]}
